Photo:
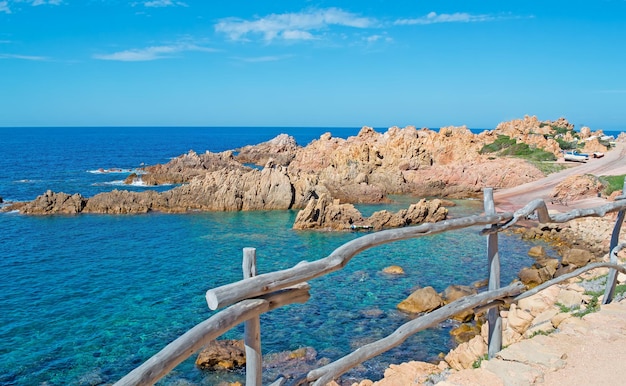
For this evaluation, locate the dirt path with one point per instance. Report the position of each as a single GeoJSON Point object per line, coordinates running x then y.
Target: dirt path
{"type": "Point", "coordinates": [613, 163]}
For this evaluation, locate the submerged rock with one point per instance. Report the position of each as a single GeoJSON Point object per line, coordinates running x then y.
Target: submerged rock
{"type": "Point", "coordinates": [222, 355]}
{"type": "Point", "coordinates": [394, 270]}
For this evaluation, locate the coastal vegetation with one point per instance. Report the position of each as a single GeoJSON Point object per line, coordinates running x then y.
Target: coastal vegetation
{"type": "Point", "coordinates": [507, 146]}
{"type": "Point", "coordinates": [612, 183]}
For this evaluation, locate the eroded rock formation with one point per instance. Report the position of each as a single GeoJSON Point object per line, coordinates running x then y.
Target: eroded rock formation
{"type": "Point", "coordinates": [54, 203]}
{"type": "Point", "coordinates": [365, 168]}
{"type": "Point", "coordinates": [280, 150]}
{"type": "Point", "coordinates": [330, 214]}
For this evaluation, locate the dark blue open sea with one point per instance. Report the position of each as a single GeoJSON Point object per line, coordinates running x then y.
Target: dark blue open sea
{"type": "Point", "coordinates": [85, 299]}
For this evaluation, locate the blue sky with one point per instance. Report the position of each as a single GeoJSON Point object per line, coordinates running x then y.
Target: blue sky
{"type": "Point", "coordinates": [311, 63]}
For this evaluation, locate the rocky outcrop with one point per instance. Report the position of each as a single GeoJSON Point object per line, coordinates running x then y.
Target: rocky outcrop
{"type": "Point", "coordinates": [325, 213]}
{"type": "Point", "coordinates": [407, 160]}
{"type": "Point", "coordinates": [233, 190]}
{"type": "Point", "coordinates": [184, 168]}
{"type": "Point", "coordinates": [281, 150]}
{"type": "Point", "coordinates": [55, 203]}
{"type": "Point", "coordinates": [594, 145]}
{"type": "Point", "coordinates": [576, 187]}
{"type": "Point", "coordinates": [534, 132]}
{"type": "Point", "coordinates": [361, 169]}
{"type": "Point", "coordinates": [588, 233]}
{"type": "Point", "coordinates": [418, 213]}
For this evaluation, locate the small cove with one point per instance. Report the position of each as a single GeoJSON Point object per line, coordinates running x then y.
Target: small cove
{"type": "Point", "coordinates": [90, 297]}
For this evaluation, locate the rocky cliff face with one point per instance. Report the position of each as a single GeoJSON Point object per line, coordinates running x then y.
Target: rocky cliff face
{"type": "Point", "coordinates": [365, 168]}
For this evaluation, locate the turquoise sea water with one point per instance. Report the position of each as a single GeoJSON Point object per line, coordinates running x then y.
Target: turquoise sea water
{"type": "Point", "coordinates": [85, 299]}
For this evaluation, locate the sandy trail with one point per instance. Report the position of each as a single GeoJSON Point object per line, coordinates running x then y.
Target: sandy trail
{"type": "Point", "coordinates": [613, 163]}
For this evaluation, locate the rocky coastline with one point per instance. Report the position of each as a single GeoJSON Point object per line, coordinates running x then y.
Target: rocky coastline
{"type": "Point", "coordinates": [327, 177]}
{"type": "Point", "coordinates": [280, 174]}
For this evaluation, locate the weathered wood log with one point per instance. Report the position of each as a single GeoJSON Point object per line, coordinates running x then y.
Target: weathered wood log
{"type": "Point", "coordinates": [327, 373]}
{"type": "Point", "coordinates": [265, 283]}
{"type": "Point", "coordinates": [611, 280]}
{"type": "Point", "coordinates": [493, 259]}
{"type": "Point", "coordinates": [193, 340]}
{"type": "Point", "coordinates": [599, 211]}
{"type": "Point", "coordinates": [539, 204]}
{"type": "Point", "coordinates": [252, 329]}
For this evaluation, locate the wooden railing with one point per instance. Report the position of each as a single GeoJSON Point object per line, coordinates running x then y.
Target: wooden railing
{"type": "Point", "coordinates": [248, 298]}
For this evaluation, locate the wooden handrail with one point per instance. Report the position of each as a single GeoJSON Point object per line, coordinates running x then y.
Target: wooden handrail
{"type": "Point", "coordinates": [249, 298]}
{"type": "Point", "coordinates": [266, 283]}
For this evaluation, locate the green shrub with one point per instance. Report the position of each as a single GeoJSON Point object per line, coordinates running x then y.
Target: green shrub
{"type": "Point", "coordinates": [502, 142]}
{"type": "Point", "coordinates": [564, 145]}
{"type": "Point", "coordinates": [506, 146]}
{"type": "Point", "coordinates": [478, 361]}
{"type": "Point", "coordinates": [613, 183]}
{"type": "Point", "coordinates": [561, 130]}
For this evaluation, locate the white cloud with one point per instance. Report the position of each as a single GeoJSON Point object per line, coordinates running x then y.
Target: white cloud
{"type": "Point", "coordinates": [297, 35]}
{"type": "Point", "coordinates": [163, 3]}
{"type": "Point", "coordinates": [44, 2]}
{"type": "Point", "coordinates": [23, 57]}
{"type": "Point", "coordinates": [377, 38]}
{"type": "Point", "coordinates": [260, 59]}
{"type": "Point", "coordinates": [4, 7]}
{"type": "Point", "coordinates": [458, 17]}
{"type": "Point", "coordinates": [291, 26]}
{"type": "Point", "coordinates": [152, 53]}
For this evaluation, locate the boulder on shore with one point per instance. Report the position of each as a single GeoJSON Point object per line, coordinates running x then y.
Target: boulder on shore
{"type": "Point", "coordinates": [455, 292]}
{"type": "Point", "coordinates": [423, 300]}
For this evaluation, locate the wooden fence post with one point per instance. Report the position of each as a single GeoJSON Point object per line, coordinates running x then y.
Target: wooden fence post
{"type": "Point", "coordinates": [493, 315]}
{"type": "Point", "coordinates": [611, 280]}
{"type": "Point", "coordinates": [252, 328]}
